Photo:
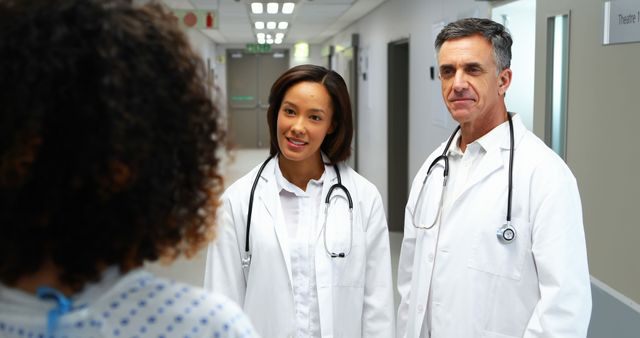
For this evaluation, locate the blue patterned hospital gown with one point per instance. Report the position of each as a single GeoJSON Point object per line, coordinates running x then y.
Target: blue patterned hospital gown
{"type": "Point", "coordinates": [137, 304]}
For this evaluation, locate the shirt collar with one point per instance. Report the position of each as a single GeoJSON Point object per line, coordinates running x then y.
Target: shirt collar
{"type": "Point", "coordinates": [284, 184]}
{"type": "Point", "coordinates": [491, 140]}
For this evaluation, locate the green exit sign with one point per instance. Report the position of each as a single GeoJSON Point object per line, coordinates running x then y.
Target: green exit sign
{"type": "Point", "coordinates": [258, 48]}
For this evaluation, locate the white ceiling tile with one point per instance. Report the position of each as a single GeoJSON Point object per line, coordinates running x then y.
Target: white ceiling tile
{"type": "Point", "coordinates": [312, 20]}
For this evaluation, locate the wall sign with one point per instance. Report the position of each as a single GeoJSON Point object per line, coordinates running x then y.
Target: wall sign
{"type": "Point", "coordinates": [621, 21]}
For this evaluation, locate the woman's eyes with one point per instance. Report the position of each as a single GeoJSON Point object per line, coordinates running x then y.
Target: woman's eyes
{"type": "Point", "coordinates": [291, 112]}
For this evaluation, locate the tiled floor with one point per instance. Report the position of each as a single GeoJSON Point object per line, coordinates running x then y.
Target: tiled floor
{"type": "Point", "coordinates": [235, 165]}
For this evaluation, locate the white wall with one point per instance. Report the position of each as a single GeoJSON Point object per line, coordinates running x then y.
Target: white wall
{"type": "Point", "coordinates": [391, 21]}
{"type": "Point", "coordinates": [315, 57]}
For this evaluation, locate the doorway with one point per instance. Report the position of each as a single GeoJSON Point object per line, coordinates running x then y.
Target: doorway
{"type": "Point", "coordinates": [398, 132]}
{"type": "Point", "coordinates": [249, 80]}
{"type": "Point", "coordinates": [519, 17]}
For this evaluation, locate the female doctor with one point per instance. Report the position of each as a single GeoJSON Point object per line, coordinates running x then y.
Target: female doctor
{"type": "Point", "coordinates": [306, 268]}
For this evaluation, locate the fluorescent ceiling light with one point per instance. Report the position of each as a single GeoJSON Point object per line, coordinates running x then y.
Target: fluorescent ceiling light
{"type": "Point", "coordinates": [262, 41]}
{"type": "Point", "coordinates": [279, 36]}
{"type": "Point", "coordinates": [283, 25]}
{"type": "Point", "coordinates": [256, 8]}
{"type": "Point", "coordinates": [272, 8]}
{"type": "Point", "coordinates": [278, 41]}
{"type": "Point", "coordinates": [260, 35]}
{"type": "Point", "coordinates": [269, 41]}
{"type": "Point", "coordinates": [269, 37]}
{"type": "Point", "coordinates": [287, 7]}
{"type": "Point", "coordinates": [259, 24]}
{"type": "Point", "coordinates": [271, 25]}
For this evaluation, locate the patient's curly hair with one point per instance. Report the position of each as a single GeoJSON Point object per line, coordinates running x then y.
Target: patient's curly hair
{"type": "Point", "coordinates": [108, 139]}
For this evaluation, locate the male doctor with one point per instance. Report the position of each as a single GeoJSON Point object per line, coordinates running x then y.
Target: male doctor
{"type": "Point", "coordinates": [465, 271]}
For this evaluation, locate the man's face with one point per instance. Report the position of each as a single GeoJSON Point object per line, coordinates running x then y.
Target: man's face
{"type": "Point", "coordinates": [471, 86]}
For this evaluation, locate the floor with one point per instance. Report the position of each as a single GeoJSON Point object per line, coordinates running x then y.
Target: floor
{"type": "Point", "coordinates": [234, 165]}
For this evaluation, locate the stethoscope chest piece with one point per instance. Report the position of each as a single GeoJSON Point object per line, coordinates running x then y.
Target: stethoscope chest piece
{"type": "Point", "coordinates": [506, 233]}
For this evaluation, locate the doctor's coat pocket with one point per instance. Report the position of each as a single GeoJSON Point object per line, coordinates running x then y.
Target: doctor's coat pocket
{"type": "Point", "coordinates": [349, 270]}
{"type": "Point", "coordinates": [489, 254]}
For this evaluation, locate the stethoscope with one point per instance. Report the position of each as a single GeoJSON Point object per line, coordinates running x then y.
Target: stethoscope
{"type": "Point", "coordinates": [505, 233]}
{"type": "Point", "coordinates": [246, 257]}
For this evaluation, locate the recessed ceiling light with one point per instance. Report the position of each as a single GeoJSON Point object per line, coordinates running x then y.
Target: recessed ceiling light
{"type": "Point", "coordinates": [287, 7]}
{"type": "Point", "coordinates": [260, 36]}
{"type": "Point", "coordinates": [269, 41]}
{"type": "Point", "coordinates": [279, 36]}
{"type": "Point", "coordinates": [259, 25]}
{"type": "Point", "coordinates": [256, 8]}
{"type": "Point", "coordinates": [272, 8]}
{"type": "Point", "coordinates": [271, 25]}
{"type": "Point", "coordinates": [262, 41]}
{"type": "Point", "coordinates": [283, 25]}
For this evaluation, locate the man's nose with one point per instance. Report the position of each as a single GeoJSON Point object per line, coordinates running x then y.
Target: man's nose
{"type": "Point", "coordinates": [460, 81]}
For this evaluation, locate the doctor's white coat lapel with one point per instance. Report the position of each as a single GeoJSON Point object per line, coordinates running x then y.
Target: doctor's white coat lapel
{"type": "Point", "coordinates": [496, 157]}
{"type": "Point", "coordinates": [270, 198]}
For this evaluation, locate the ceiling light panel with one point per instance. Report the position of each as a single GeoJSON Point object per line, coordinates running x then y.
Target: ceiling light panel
{"type": "Point", "coordinates": [259, 24]}
{"type": "Point", "coordinates": [257, 8]}
{"type": "Point", "coordinates": [283, 25]}
{"type": "Point", "coordinates": [287, 7]}
{"type": "Point", "coordinates": [271, 25]}
{"type": "Point", "coordinates": [272, 8]}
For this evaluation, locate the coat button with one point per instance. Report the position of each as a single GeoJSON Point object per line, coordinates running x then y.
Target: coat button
{"type": "Point", "coordinates": [420, 308]}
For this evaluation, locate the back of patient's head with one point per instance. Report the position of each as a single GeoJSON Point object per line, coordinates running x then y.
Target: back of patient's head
{"type": "Point", "coordinates": [107, 139]}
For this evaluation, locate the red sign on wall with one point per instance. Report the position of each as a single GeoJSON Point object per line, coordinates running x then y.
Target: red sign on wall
{"type": "Point", "coordinates": [197, 18]}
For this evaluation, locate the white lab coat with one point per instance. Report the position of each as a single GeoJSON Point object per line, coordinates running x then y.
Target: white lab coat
{"type": "Point", "coordinates": [536, 286]}
{"type": "Point", "coordinates": [355, 293]}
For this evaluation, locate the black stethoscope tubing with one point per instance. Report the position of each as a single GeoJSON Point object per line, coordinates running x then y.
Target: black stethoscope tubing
{"type": "Point", "coordinates": [247, 258]}
{"type": "Point", "coordinates": [445, 158]}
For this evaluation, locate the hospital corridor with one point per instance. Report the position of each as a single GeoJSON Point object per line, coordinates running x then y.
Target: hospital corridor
{"type": "Point", "coordinates": [572, 86]}
{"type": "Point", "coordinates": [386, 168]}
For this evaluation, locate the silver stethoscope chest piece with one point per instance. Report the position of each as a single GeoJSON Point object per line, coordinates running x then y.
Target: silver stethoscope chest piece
{"type": "Point", "coordinates": [506, 233]}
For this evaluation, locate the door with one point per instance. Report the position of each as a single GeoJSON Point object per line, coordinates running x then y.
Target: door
{"type": "Point", "coordinates": [398, 132]}
{"type": "Point", "coordinates": [249, 80]}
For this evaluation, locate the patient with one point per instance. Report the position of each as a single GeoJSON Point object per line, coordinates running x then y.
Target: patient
{"type": "Point", "coordinates": [107, 159]}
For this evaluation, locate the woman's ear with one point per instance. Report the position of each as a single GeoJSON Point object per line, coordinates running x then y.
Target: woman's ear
{"type": "Point", "coordinates": [332, 128]}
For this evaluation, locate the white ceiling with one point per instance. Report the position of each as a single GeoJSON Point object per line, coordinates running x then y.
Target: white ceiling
{"type": "Point", "coordinates": [313, 21]}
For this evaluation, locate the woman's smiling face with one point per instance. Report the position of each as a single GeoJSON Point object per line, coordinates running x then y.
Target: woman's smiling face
{"type": "Point", "coordinates": [304, 119]}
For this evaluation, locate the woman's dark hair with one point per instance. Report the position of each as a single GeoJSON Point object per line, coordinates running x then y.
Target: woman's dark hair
{"type": "Point", "coordinates": [108, 139]}
{"type": "Point", "coordinates": [337, 145]}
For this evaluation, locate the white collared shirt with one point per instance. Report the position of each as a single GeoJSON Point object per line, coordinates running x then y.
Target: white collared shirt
{"type": "Point", "coordinates": [301, 211]}
{"type": "Point", "coordinates": [461, 168]}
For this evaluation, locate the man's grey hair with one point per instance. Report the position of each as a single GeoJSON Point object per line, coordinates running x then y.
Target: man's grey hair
{"type": "Point", "coordinates": [493, 32]}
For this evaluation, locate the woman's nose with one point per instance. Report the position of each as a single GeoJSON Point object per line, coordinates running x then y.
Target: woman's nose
{"type": "Point", "coordinates": [298, 126]}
